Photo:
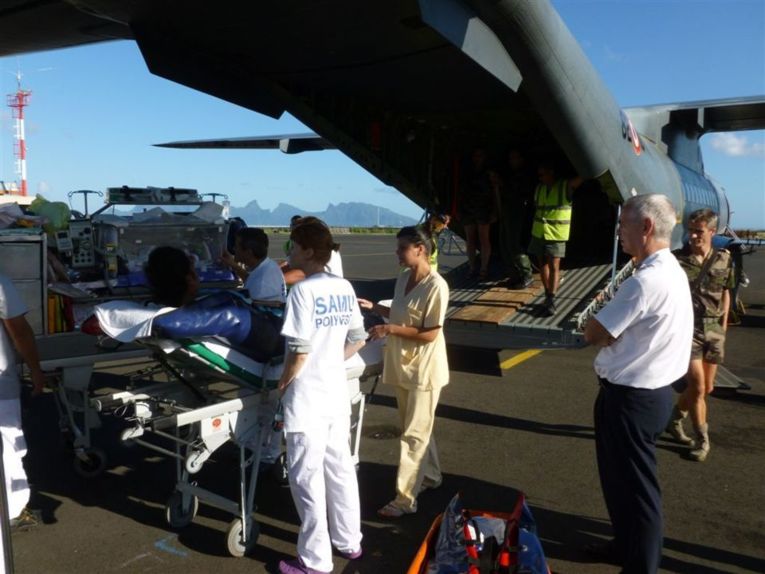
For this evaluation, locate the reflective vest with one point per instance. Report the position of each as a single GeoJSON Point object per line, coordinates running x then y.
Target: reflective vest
{"type": "Point", "coordinates": [552, 218]}
{"type": "Point", "coordinates": [434, 256]}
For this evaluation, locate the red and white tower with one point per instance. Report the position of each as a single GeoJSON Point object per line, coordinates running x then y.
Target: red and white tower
{"type": "Point", "coordinates": [17, 102]}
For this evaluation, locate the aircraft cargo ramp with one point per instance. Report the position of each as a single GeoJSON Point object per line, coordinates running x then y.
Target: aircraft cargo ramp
{"type": "Point", "coordinates": [489, 315]}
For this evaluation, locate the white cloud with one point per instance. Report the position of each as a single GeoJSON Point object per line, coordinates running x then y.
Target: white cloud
{"type": "Point", "coordinates": [43, 187]}
{"type": "Point", "coordinates": [737, 146]}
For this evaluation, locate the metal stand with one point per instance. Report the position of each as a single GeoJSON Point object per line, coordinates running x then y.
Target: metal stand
{"type": "Point", "coordinates": [85, 193]}
{"type": "Point", "coordinates": [448, 242]}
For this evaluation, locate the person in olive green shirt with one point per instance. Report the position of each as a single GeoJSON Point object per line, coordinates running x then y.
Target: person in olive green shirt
{"type": "Point", "coordinates": [711, 277]}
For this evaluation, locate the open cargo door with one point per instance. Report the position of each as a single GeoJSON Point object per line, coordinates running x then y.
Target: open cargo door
{"type": "Point", "coordinates": [489, 315]}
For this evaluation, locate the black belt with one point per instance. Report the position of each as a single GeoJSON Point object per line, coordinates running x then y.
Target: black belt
{"type": "Point", "coordinates": [608, 384]}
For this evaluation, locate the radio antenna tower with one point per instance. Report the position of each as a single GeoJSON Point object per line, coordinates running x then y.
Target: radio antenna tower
{"type": "Point", "coordinates": [17, 102]}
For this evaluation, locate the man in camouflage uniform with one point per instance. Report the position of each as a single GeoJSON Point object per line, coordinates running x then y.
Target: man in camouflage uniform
{"type": "Point", "coordinates": [710, 274]}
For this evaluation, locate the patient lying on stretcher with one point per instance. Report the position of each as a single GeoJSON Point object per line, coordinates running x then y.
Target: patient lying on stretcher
{"type": "Point", "coordinates": [176, 312]}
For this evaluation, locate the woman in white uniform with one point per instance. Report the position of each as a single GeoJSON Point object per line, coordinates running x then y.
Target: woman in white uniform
{"type": "Point", "coordinates": [322, 326]}
{"type": "Point", "coordinates": [416, 364]}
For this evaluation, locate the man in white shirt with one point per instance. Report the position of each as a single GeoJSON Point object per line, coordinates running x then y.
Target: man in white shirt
{"type": "Point", "coordinates": [264, 281]}
{"type": "Point", "coordinates": [15, 336]}
{"type": "Point", "coordinates": [645, 337]}
{"type": "Point", "coordinates": [335, 264]}
{"type": "Point", "coordinates": [262, 276]}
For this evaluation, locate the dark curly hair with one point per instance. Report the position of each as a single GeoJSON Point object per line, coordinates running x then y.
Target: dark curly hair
{"type": "Point", "coordinates": [255, 240]}
{"type": "Point", "coordinates": [167, 270]}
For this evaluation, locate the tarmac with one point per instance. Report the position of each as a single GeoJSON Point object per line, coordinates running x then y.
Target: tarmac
{"type": "Point", "coordinates": [525, 428]}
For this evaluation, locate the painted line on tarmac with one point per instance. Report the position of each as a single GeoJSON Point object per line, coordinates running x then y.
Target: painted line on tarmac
{"type": "Point", "coordinates": [136, 558]}
{"type": "Point", "coordinates": [164, 545]}
{"type": "Point", "coordinates": [518, 359]}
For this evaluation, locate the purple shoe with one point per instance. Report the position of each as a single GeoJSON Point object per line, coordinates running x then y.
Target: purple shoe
{"type": "Point", "coordinates": [297, 566]}
{"type": "Point", "coordinates": [355, 555]}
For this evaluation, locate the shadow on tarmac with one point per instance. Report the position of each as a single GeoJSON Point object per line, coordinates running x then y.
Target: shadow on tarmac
{"type": "Point", "coordinates": [137, 484]}
{"type": "Point", "coordinates": [471, 416]}
{"type": "Point", "coordinates": [736, 396]}
{"type": "Point", "coordinates": [699, 551]}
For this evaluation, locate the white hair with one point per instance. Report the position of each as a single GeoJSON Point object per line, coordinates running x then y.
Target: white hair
{"type": "Point", "coordinates": [656, 207]}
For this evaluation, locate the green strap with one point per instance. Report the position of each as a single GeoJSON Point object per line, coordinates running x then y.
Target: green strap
{"type": "Point", "coordinates": [213, 358]}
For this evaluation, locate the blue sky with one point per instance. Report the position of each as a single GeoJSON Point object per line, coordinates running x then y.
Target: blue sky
{"type": "Point", "coordinates": [95, 111]}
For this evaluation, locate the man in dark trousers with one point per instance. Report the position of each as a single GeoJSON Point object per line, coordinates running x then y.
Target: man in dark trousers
{"type": "Point", "coordinates": [517, 197]}
{"type": "Point", "coordinates": [645, 336]}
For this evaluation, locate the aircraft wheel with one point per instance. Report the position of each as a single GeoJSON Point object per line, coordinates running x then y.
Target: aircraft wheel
{"type": "Point", "coordinates": [179, 515]}
{"type": "Point", "coordinates": [90, 463]}
{"type": "Point", "coordinates": [234, 543]}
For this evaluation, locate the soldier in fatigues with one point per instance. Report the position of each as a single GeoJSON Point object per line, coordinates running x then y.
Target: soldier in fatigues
{"type": "Point", "coordinates": [710, 274]}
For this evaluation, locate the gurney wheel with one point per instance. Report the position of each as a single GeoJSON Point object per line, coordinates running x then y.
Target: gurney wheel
{"type": "Point", "coordinates": [234, 538]}
{"type": "Point", "coordinates": [176, 515]}
{"type": "Point", "coordinates": [90, 463]}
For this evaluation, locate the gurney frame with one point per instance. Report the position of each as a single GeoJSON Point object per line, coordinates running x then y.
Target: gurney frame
{"type": "Point", "coordinates": [161, 410]}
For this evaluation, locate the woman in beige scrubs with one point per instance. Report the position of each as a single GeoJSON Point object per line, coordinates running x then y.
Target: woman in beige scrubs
{"type": "Point", "coordinates": [416, 364]}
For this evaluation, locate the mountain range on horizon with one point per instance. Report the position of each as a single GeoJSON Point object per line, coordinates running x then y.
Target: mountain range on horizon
{"type": "Point", "coordinates": [351, 214]}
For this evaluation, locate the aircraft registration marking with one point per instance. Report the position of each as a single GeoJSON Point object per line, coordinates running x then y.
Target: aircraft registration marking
{"type": "Point", "coordinates": [630, 134]}
{"type": "Point", "coordinates": [516, 360]}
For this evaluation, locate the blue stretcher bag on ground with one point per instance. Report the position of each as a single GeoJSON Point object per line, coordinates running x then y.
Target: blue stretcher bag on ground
{"type": "Point", "coordinates": [463, 541]}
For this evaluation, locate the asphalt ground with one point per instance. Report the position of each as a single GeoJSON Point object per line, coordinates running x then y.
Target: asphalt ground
{"type": "Point", "coordinates": [527, 428]}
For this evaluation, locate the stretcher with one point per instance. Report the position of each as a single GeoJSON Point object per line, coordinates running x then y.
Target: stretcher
{"type": "Point", "coordinates": [72, 359]}
{"type": "Point", "coordinates": [214, 395]}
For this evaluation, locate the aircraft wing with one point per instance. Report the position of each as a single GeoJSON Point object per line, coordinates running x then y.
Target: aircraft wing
{"type": "Point", "coordinates": [30, 26]}
{"type": "Point", "coordinates": [290, 144]}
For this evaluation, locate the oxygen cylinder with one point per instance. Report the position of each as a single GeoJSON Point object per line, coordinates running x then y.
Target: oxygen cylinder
{"type": "Point", "coordinates": [111, 260]}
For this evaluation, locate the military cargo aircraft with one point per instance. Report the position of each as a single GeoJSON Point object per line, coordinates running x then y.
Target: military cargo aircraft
{"type": "Point", "coordinates": [406, 88]}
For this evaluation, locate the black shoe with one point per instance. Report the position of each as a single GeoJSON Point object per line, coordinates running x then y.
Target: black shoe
{"type": "Point", "coordinates": [27, 520]}
{"type": "Point", "coordinates": [549, 306]}
{"type": "Point", "coordinates": [602, 552]}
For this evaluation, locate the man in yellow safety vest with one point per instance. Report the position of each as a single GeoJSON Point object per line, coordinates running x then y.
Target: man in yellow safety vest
{"type": "Point", "coordinates": [551, 227]}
